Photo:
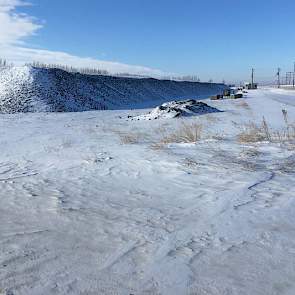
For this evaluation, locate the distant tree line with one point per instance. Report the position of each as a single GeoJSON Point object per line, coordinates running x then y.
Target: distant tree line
{"type": "Point", "coordinates": [97, 71]}
{"type": "Point", "coordinates": [70, 69]}
{"type": "Point", "coordinates": [4, 63]}
{"type": "Point", "coordinates": [128, 75]}
{"type": "Point", "coordinates": [188, 78]}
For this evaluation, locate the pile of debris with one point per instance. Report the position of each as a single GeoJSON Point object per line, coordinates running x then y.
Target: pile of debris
{"type": "Point", "coordinates": [232, 93]}
{"type": "Point", "coordinates": [176, 109]}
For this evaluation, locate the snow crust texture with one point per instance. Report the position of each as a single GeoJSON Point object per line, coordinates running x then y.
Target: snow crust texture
{"type": "Point", "coordinates": [83, 212]}
{"type": "Point", "coordinates": [27, 89]}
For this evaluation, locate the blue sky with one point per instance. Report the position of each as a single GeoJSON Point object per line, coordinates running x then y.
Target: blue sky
{"type": "Point", "coordinates": [212, 39]}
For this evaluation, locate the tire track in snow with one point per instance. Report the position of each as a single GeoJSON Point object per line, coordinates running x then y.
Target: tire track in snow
{"type": "Point", "coordinates": [252, 189]}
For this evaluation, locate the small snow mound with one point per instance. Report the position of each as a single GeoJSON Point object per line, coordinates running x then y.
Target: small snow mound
{"type": "Point", "coordinates": [175, 109]}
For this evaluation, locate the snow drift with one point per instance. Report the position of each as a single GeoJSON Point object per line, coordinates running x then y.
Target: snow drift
{"type": "Point", "coordinates": [173, 109]}
{"type": "Point", "coordinates": [28, 89]}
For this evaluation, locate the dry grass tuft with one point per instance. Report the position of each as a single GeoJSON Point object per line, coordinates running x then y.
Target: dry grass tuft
{"type": "Point", "coordinates": [131, 138]}
{"type": "Point", "coordinates": [212, 119]}
{"type": "Point", "coordinates": [243, 104]}
{"type": "Point", "coordinates": [217, 136]}
{"type": "Point", "coordinates": [134, 137]}
{"type": "Point", "coordinates": [253, 133]}
{"type": "Point", "coordinates": [187, 133]}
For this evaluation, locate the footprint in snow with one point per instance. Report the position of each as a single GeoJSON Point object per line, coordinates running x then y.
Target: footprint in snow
{"type": "Point", "coordinates": [11, 171]}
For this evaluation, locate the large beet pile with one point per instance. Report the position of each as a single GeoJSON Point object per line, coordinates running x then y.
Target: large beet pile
{"type": "Point", "coordinates": [27, 89]}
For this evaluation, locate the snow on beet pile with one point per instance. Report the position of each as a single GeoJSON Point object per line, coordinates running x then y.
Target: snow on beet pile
{"type": "Point", "coordinates": [175, 109]}
{"type": "Point", "coordinates": [28, 89]}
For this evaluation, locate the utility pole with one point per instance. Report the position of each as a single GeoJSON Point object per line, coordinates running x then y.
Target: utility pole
{"type": "Point", "coordinates": [294, 76]}
{"type": "Point", "coordinates": [289, 78]}
{"type": "Point", "coordinates": [252, 79]}
{"type": "Point", "coordinates": [278, 74]}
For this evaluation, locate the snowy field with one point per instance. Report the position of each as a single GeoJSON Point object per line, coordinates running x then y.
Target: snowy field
{"type": "Point", "coordinates": [93, 203]}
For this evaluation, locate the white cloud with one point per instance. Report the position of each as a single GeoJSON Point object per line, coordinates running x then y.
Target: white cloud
{"type": "Point", "coordinates": [7, 5]}
{"type": "Point", "coordinates": [20, 55]}
{"type": "Point", "coordinates": [15, 27]}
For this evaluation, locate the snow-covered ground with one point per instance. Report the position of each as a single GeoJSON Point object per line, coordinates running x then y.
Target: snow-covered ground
{"type": "Point", "coordinates": [90, 204]}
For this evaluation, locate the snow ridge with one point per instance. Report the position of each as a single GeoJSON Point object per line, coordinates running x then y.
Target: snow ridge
{"type": "Point", "coordinates": [28, 89]}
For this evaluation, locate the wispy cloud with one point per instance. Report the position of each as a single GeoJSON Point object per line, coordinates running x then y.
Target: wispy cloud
{"type": "Point", "coordinates": [16, 27]}
{"type": "Point", "coordinates": [21, 55]}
